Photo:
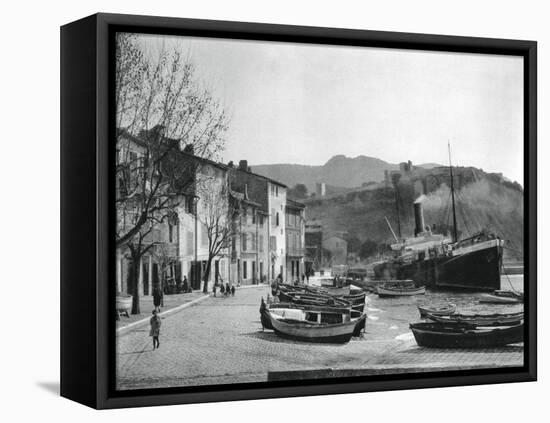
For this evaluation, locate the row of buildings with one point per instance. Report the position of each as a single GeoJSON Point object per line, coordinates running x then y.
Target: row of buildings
{"type": "Point", "coordinates": [264, 230]}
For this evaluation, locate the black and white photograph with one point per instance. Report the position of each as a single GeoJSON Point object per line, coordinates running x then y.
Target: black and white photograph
{"type": "Point", "coordinates": [293, 211]}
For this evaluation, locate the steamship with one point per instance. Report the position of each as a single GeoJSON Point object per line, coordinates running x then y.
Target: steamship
{"type": "Point", "coordinates": [440, 261]}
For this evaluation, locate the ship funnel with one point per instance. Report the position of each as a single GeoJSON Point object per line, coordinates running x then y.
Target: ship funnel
{"type": "Point", "coordinates": [419, 215]}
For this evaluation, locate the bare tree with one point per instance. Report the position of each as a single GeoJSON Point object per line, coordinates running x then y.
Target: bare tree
{"type": "Point", "coordinates": [164, 257]}
{"type": "Point", "coordinates": [160, 111]}
{"type": "Point", "coordinates": [217, 213]}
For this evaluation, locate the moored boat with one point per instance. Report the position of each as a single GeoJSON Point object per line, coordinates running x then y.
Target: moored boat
{"type": "Point", "coordinates": [384, 291]}
{"type": "Point", "coordinates": [436, 311]}
{"type": "Point", "coordinates": [441, 261]}
{"type": "Point", "coordinates": [325, 326]}
{"type": "Point", "coordinates": [436, 335]}
{"type": "Point", "coordinates": [508, 294]}
{"type": "Point", "coordinates": [498, 299]}
{"type": "Point", "coordinates": [495, 319]}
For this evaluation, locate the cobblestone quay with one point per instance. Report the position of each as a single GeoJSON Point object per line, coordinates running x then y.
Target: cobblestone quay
{"type": "Point", "coordinates": [220, 340]}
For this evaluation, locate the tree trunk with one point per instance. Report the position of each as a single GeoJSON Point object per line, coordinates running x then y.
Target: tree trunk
{"type": "Point", "coordinates": [162, 284]}
{"type": "Point", "coordinates": [207, 275]}
{"type": "Point", "coordinates": [135, 283]}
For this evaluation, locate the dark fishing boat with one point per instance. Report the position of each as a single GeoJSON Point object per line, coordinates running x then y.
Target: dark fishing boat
{"type": "Point", "coordinates": [436, 311]}
{"type": "Point", "coordinates": [436, 335]}
{"type": "Point", "coordinates": [436, 260]}
{"type": "Point", "coordinates": [384, 291]}
{"type": "Point", "coordinates": [325, 326]}
{"type": "Point", "coordinates": [496, 319]}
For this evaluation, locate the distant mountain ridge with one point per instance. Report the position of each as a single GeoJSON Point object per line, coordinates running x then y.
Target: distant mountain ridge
{"type": "Point", "coordinates": [339, 171]}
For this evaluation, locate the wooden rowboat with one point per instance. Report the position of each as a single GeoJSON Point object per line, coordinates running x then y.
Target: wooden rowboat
{"type": "Point", "coordinates": [496, 299]}
{"type": "Point", "coordinates": [436, 335]}
{"type": "Point", "coordinates": [306, 325]}
{"type": "Point", "coordinates": [400, 292]}
{"type": "Point", "coordinates": [437, 311]}
{"type": "Point", "coordinates": [496, 319]}
{"type": "Point", "coordinates": [508, 294]}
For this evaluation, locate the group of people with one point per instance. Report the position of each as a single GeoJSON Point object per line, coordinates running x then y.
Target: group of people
{"type": "Point", "coordinates": [225, 290]}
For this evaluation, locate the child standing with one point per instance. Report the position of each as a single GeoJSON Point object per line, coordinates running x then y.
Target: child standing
{"type": "Point", "coordinates": [155, 328]}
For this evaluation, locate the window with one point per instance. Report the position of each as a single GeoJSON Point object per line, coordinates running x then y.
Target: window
{"type": "Point", "coordinates": [189, 205]}
{"type": "Point", "coordinates": [245, 276]}
{"type": "Point", "coordinates": [261, 241]}
{"type": "Point", "coordinates": [243, 242]}
{"type": "Point", "coordinates": [252, 242]}
{"type": "Point", "coordinates": [253, 217]}
{"type": "Point", "coordinates": [276, 191]}
{"type": "Point", "coordinates": [272, 217]}
{"type": "Point", "coordinates": [261, 220]}
{"type": "Point", "coordinates": [204, 236]}
{"type": "Point", "coordinates": [170, 233]}
{"type": "Point", "coordinates": [277, 219]}
{"type": "Point", "coordinates": [273, 243]}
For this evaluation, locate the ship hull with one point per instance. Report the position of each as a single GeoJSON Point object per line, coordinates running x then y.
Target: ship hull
{"type": "Point", "coordinates": [474, 269]}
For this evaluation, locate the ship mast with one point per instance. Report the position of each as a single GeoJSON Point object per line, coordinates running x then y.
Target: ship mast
{"type": "Point", "coordinates": [455, 236]}
{"type": "Point", "coordinates": [395, 181]}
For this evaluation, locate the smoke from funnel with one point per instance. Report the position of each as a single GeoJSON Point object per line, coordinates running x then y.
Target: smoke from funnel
{"type": "Point", "coordinates": [419, 215]}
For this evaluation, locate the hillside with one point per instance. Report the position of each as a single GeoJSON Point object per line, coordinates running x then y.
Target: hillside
{"type": "Point", "coordinates": [485, 203]}
{"type": "Point", "coordinates": [339, 171]}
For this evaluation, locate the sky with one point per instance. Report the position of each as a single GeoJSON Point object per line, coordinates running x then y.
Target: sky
{"type": "Point", "coordinates": [304, 103]}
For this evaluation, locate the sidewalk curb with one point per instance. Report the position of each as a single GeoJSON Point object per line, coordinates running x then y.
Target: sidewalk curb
{"type": "Point", "coordinates": [124, 329]}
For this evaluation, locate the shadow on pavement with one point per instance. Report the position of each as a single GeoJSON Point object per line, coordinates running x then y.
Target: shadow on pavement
{"type": "Point", "coordinates": [271, 336]}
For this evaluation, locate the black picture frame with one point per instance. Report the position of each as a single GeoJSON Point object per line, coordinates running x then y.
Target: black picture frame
{"type": "Point", "coordinates": [87, 335]}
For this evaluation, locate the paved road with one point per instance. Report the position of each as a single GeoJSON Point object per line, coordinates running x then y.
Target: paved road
{"type": "Point", "coordinates": [220, 340]}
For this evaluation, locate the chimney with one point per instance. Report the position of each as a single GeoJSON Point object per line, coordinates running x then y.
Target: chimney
{"type": "Point", "coordinates": [243, 165]}
{"type": "Point", "coordinates": [419, 226]}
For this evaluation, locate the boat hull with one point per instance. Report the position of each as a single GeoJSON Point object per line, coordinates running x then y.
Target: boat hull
{"type": "Point", "coordinates": [495, 299]}
{"type": "Point", "coordinates": [473, 270]}
{"type": "Point", "coordinates": [443, 311]}
{"type": "Point", "coordinates": [439, 336]}
{"type": "Point", "coordinates": [300, 331]}
{"type": "Point", "coordinates": [400, 292]}
{"type": "Point", "coordinates": [479, 319]}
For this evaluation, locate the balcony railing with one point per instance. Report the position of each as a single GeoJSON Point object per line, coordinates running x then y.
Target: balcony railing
{"type": "Point", "coordinates": [295, 251]}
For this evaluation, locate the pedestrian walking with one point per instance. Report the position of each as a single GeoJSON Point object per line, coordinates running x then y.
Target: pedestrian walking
{"type": "Point", "coordinates": [232, 290]}
{"type": "Point", "coordinates": [227, 289]}
{"type": "Point", "coordinates": [263, 309]}
{"type": "Point", "coordinates": [157, 298]}
{"type": "Point", "coordinates": [155, 323]}
{"type": "Point", "coordinates": [222, 290]}
{"type": "Point", "coordinates": [303, 278]}
{"type": "Point", "coordinates": [307, 276]}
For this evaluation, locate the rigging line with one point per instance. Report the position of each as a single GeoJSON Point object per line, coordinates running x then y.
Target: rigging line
{"type": "Point", "coordinates": [465, 221]}
{"type": "Point", "coordinates": [513, 249]}
{"type": "Point", "coordinates": [509, 281]}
